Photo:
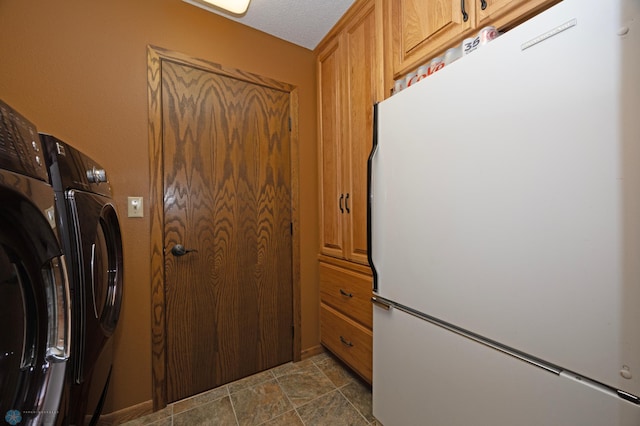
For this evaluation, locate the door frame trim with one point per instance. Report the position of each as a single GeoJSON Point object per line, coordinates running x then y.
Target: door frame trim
{"type": "Point", "coordinates": [155, 57]}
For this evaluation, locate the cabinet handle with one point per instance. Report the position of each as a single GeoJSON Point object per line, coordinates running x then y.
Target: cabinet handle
{"type": "Point", "coordinates": [344, 293]}
{"type": "Point", "coordinates": [346, 342]}
{"type": "Point", "coordinates": [465, 16]}
{"type": "Point", "coordinates": [346, 203]}
{"type": "Point", "coordinates": [483, 4]}
{"type": "Point", "coordinates": [341, 198]}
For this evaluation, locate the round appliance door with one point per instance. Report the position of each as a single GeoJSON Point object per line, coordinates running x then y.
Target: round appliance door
{"type": "Point", "coordinates": [34, 305]}
{"type": "Point", "coordinates": [97, 230]}
{"type": "Point", "coordinates": [106, 269]}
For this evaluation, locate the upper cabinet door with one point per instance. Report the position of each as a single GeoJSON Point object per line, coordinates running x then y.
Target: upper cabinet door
{"type": "Point", "coordinates": [421, 28]}
{"type": "Point", "coordinates": [505, 12]}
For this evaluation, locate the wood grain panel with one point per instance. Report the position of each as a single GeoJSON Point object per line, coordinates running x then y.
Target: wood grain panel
{"type": "Point", "coordinates": [331, 189]}
{"type": "Point", "coordinates": [350, 341]}
{"type": "Point", "coordinates": [156, 215]}
{"type": "Point", "coordinates": [415, 22]}
{"type": "Point", "coordinates": [227, 196]}
{"type": "Point", "coordinates": [250, 234]}
{"type": "Point", "coordinates": [350, 82]}
{"type": "Point", "coordinates": [420, 29]}
{"type": "Point", "coordinates": [361, 89]}
{"type": "Point", "coordinates": [348, 292]}
{"type": "Point", "coordinates": [422, 20]}
{"type": "Point", "coordinates": [507, 13]}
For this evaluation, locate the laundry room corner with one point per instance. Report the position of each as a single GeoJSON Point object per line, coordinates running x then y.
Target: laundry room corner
{"type": "Point", "coordinates": [79, 70]}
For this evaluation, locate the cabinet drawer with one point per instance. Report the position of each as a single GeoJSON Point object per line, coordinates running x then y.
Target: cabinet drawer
{"type": "Point", "coordinates": [348, 340]}
{"type": "Point", "coordinates": [347, 291]}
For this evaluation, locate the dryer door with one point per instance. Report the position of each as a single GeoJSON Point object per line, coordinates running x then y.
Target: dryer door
{"type": "Point", "coordinates": [97, 231]}
{"type": "Point", "coordinates": [34, 305]}
{"type": "Point", "coordinates": [106, 269]}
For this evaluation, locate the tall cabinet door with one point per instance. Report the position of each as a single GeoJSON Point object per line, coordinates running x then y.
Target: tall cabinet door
{"type": "Point", "coordinates": [330, 151]}
{"type": "Point", "coordinates": [361, 80]}
{"type": "Point", "coordinates": [350, 82]}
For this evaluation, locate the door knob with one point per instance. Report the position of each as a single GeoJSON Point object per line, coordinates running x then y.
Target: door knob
{"type": "Point", "coordinates": [179, 250]}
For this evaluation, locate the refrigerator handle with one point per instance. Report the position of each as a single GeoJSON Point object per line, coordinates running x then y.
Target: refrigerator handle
{"type": "Point", "coordinates": [384, 305]}
{"type": "Point", "coordinates": [374, 149]}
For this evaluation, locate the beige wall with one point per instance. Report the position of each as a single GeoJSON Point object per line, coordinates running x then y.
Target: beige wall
{"type": "Point", "coordinates": [77, 69]}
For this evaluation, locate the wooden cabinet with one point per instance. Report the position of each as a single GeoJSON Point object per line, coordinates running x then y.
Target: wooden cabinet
{"type": "Point", "coordinates": [505, 13]}
{"type": "Point", "coordinates": [346, 316]}
{"type": "Point", "coordinates": [419, 30]}
{"type": "Point", "coordinates": [350, 81]}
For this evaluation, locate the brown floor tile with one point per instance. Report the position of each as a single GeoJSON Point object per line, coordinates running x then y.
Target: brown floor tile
{"type": "Point", "coordinates": [291, 367]}
{"type": "Point", "coordinates": [318, 391]}
{"type": "Point", "coordinates": [260, 403]}
{"type": "Point", "coordinates": [359, 394]}
{"type": "Point", "coordinates": [203, 398]}
{"type": "Point", "coordinates": [321, 356]}
{"type": "Point", "coordinates": [164, 422]}
{"type": "Point", "coordinates": [247, 382]}
{"type": "Point", "coordinates": [216, 413]}
{"type": "Point", "coordinates": [304, 385]}
{"type": "Point", "coordinates": [151, 419]}
{"type": "Point", "coordinates": [335, 371]}
{"type": "Point", "coordinates": [290, 418]}
{"type": "Point", "coordinates": [331, 409]}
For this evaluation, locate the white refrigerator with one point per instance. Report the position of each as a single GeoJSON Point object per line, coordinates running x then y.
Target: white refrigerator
{"type": "Point", "coordinates": [504, 201]}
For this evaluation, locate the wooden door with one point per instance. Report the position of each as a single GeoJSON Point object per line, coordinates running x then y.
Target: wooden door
{"type": "Point", "coordinates": [227, 197]}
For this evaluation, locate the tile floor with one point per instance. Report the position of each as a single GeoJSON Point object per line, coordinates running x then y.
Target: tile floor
{"type": "Point", "coordinates": [317, 391]}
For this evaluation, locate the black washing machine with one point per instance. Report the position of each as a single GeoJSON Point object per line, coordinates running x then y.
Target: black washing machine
{"type": "Point", "coordinates": [34, 291]}
{"type": "Point", "coordinates": [92, 244]}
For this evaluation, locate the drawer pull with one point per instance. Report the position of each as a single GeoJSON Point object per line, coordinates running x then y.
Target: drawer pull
{"type": "Point", "coordinates": [345, 342]}
{"type": "Point", "coordinates": [344, 293]}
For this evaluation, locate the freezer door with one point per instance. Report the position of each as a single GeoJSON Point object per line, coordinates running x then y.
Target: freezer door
{"type": "Point", "coordinates": [423, 374]}
{"type": "Point", "coordinates": [506, 191]}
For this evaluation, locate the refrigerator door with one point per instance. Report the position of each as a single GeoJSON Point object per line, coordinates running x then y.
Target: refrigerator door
{"type": "Point", "coordinates": [506, 193]}
{"type": "Point", "coordinates": [424, 374]}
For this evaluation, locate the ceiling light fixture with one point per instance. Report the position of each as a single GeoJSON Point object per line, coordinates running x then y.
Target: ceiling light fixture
{"type": "Point", "coordinates": [237, 7]}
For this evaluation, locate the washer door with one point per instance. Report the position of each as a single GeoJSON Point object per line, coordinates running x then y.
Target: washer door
{"type": "Point", "coordinates": [34, 308]}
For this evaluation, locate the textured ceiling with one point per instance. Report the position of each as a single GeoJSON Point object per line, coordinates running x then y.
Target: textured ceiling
{"type": "Point", "coordinates": [302, 22]}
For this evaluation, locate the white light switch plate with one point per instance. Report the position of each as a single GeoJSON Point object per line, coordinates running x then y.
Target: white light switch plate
{"type": "Point", "coordinates": [135, 207]}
